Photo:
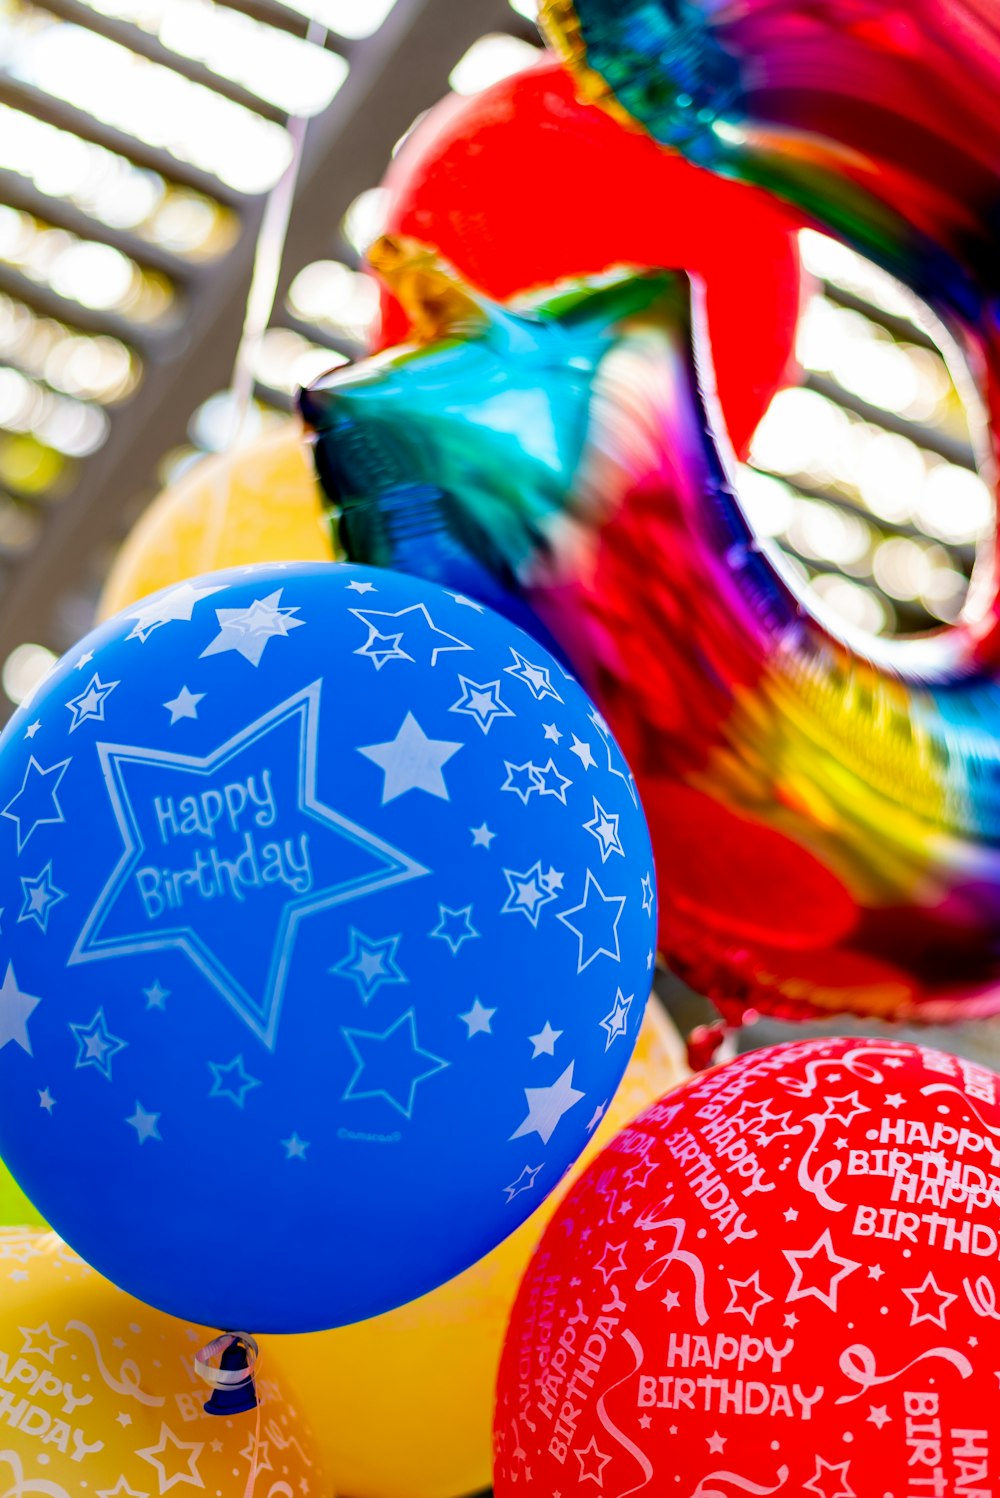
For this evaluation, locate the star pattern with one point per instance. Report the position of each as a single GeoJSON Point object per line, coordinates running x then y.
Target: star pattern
{"type": "Point", "coordinates": [184, 705]}
{"type": "Point", "coordinates": [481, 702]}
{"type": "Point", "coordinates": [16, 1008]}
{"type": "Point", "coordinates": [550, 782]}
{"type": "Point", "coordinates": [482, 836]}
{"type": "Point", "coordinates": [597, 930]}
{"type": "Point", "coordinates": [412, 761]}
{"type": "Point", "coordinates": [537, 679]}
{"type": "Point", "coordinates": [175, 1461]}
{"type": "Point", "coordinates": [583, 752]}
{"type": "Point", "coordinates": [409, 634]}
{"type": "Point", "coordinates": [156, 995]}
{"type": "Point", "coordinates": [346, 861]}
{"type": "Point", "coordinates": [830, 1480]}
{"type": "Point", "coordinates": [524, 1182]}
{"type": "Point", "coordinates": [249, 631]}
{"type": "Point", "coordinates": [544, 1043]}
{"type": "Point", "coordinates": [145, 1124]}
{"type": "Point", "coordinates": [547, 1106]}
{"type": "Point", "coordinates": [455, 927]}
{"type": "Point", "coordinates": [96, 1046]}
{"type": "Point", "coordinates": [174, 607]}
{"type": "Point", "coordinates": [370, 963]}
{"type": "Point", "coordinates": [521, 780]}
{"type": "Point", "coordinates": [88, 706]}
{"type": "Point", "coordinates": [604, 827]}
{"type": "Point", "coordinates": [826, 1267]}
{"type": "Point", "coordinates": [528, 893]}
{"type": "Point", "coordinates": [478, 1019]}
{"type": "Point", "coordinates": [647, 893]}
{"type": "Point", "coordinates": [746, 1296]}
{"type": "Point", "coordinates": [40, 1342]}
{"type": "Point", "coordinates": [295, 1148]}
{"type": "Point", "coordinates": [592, 1462]}
{"type": "Point", "coordinates": [232, 1081]}
{"type": "Point", "coordinates": [615, 1023]}
{"type": "Point", "coordinates": [41, 895]}
{"type": "Point", "coordinates": [929, 1302]}
{"type": "Point", "coordinates": [36, 804]}
{"type": "Point", "coordinates": [390, 1065]}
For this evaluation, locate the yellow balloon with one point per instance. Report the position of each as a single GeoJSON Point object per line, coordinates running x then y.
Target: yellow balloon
{"type": "Point", "coordinates": [15, 1208]}
{"type": "Point", "coordinates": [98, 1397]}
{"type": "Point", "coordinates": [260, 503]}
{"type": "Point", "coordinates": [404, 1402]}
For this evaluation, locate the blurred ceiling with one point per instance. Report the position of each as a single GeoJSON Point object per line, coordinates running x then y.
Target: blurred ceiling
{"type": "Point", "coordinates": [138, 141]}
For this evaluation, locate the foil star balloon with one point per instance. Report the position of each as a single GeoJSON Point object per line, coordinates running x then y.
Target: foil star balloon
{"type": "Point", "coordinates": [821, 805]}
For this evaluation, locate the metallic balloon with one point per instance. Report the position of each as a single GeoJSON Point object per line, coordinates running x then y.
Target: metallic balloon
{"type": "Point", "coordinates": [523, 183]}
{"type": "Point", "coordinates": [824, 810]}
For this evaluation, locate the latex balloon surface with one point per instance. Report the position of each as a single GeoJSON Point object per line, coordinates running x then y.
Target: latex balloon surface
{"type": "Point", "coordinates": [98, 1395]}
{"type": "Point", "coordinates": [823, 811]}
{"type": "Point", "coordinates": [15, 1208]}
{"type": "Point", "coordinates": [427, 1372]}
{"type": "Point", "coordinates": [295, 861]}
{"type": "Point", "coordinates": [260, 503]}
{"type": "Point", "coordinates": [780, 1280]}
{"type": "Point", "coordinates": [523, 183]}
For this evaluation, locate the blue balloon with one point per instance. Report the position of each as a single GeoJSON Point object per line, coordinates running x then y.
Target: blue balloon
{"type": "Point", "coordinates": [326, 927]}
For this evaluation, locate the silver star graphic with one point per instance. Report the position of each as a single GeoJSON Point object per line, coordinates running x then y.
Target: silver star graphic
{"type": "Point", "coordinates": [248, 631]}
{"type": "Point", "coordinates": [481, 836]}
{"type": "Point", "coordinates": [184, 705]}
{"type": "Point", "coordinates": [411, 761]}
{"type": "Point", "coordinates": [547, 1106]}
{"type": "Point", "coordinates": [175, 607]}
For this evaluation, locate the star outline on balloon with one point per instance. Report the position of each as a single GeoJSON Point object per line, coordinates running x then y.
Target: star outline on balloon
{"type": "Point", "coordinates": [592, 883]}
{"type": "Point", "coordinates": [41, 895]}
{"type": "Point", "coordinates": [262, 1015]}
{"type": "Point", "coordinates": [396, 651]}
{"type": "Point", "coordinates": [35, 773]}
{"type": "Point", "coordinates": [250, 630]}
{"type": "Point", "coordinates": [353, 1036]}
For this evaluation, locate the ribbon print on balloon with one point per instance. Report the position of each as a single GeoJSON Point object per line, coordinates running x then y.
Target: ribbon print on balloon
{"type": "Point", "coordinates": [730, 1328]}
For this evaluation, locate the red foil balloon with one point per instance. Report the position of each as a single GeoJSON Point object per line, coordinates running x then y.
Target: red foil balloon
{"type": "Point", "coordinates": [523, 184]}
{"type": "Point", "coordinates": [782, 1279]}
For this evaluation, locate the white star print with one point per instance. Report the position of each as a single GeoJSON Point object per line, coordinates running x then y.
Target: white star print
{"type": "Point", "coordinates": [932, 1290]}
{"type": "Point", "coordinates": [481, 836]}
{"type": "Point", "coordinates": [823, 1487]}
{"type": "Point", "coordinates": [552, 732]}
{"type": "Point", "coordinates": [248, 631]}
{"type": "Point", "coordinates": [478, 1019]}
{"type": "Point", "coordinates": [169, 1442]}
{"type": "Point", "coordinates": [616, 1023]}
{"type": "Point", "coordinates": [528, 893]}
{"type": "Point", "coordinates": [46, 1100]}
{"type": "Point", "coordinates": [547, 1105]}
{"type": "Point", "coordinates": [481, 702]}
{"type": "Point", "coordinates": [583, 752]}
{"type": "Point", "coordinates": [822, 1257]}
{"type": "Point", "coordinates": [467, 603]}
{"type": "Point", "coordinates": [295, 1148]}
{"type": "Point", "coordinates": [414, 628]}
{"type": "Point", "coordinates": [595, 906]}
{"type": "Point", "coordinates": [357, 587]}
{"type": "Point", "coordinates": [544, 1042]}
{"type": "Point", "coordinates": [156, 996]}
{"type": "Point", "coordinates": [524, 1182]}
{"type": "Point", "coordinates": [647, 893]}
{"type": "Point", "coordinates": [411, 761]}
{"type": "Point", "coordinates": [536, 678]}
{"type": "Point", "coordinates": [604, 827]}
{"type": "Point", "coordinates": [749, 1304]}
{"type": "Point", "coordinates": [16, 1008]}
{"type": "Point", "coordinates": [36, 780]}
{"type": "Point", "coordinates": [32, 728]}
{"type": "Point", "coordinates": [145, 1124]}
{"type": "Point", "coordinates": [88, 706]}
{"type": "Point", "coordinates": [184, 705]}
{"type": "Point", "coordinates": [174, 607]}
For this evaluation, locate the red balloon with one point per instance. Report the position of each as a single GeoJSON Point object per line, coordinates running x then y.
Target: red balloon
{"type": "Point", "coordinates": [522, 185]}
{"type": "Point", "coordinates": [782, 1279]}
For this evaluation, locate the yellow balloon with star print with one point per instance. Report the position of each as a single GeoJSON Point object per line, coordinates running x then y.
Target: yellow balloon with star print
{"type": "Point", "coordinates": [99, 1397]}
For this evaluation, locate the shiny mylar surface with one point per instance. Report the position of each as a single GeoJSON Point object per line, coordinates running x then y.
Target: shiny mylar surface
{"type": "Point", "coordinates": [825, 820]}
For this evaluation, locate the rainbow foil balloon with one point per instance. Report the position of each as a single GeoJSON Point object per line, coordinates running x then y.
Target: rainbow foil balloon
{"type": "Point", "coordinates": [825, 809]}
